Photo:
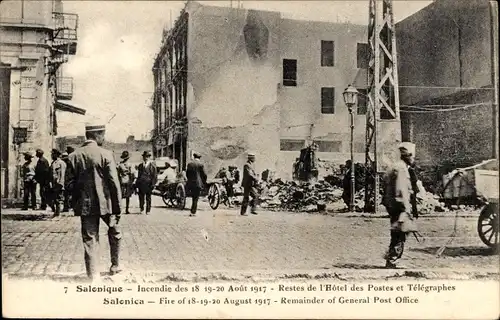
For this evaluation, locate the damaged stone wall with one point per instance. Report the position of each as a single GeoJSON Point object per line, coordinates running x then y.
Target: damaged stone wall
{"type": "Point", "coordinates": [301, 117]}
{"type": "Point", "coordinates": [232, 86]}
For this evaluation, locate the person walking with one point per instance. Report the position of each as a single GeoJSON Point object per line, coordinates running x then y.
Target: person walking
{"type": "Point", "coordinates": [397, 199]}
{"type": "Point", "coordinates": [126, 176]}
{"type": "Point", "coordinates": [196, 180]}
{"type": "Point", "coordinates": [147, 176]}
{"type": "Point", "coordinates": [42, 177]}
{"type": "Point", "coordinates": [97, 196]}
{"type": "Point", "coordinates": [249, 184]}
{"type": "Point", "coordinates": [57, 182]}
{"type": "Point", "coordinates": [29, 182]}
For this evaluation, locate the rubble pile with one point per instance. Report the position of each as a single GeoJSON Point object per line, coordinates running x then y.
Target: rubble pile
{"type": "Point", "coordinates": [296, 197]}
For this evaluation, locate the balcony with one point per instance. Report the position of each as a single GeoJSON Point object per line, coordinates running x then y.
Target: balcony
{"type": "Point", "coordinates": [65, 34]}
{"type": "Point", "coordinates": [64, 88]}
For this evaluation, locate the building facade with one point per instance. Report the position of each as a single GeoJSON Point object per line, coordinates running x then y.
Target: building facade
{"type": "Point", "coordinates": [230, 80]}
{"type": "Point", "coordinates": [446, 56]}
{"type": "Point", "coordinates": [36, 39]}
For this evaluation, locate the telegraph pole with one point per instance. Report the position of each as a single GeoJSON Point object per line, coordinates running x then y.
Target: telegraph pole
{"type": "Point", "coordinates": [383, 123]}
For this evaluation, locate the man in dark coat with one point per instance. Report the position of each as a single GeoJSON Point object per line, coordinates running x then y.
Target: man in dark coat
{"type": "Point", "coordinates": [67, 186]}
{"type": "Point", "coordinates": [147, 176]}
{"type": "Point", "coordinates": [346, 184]}
{"type": "Point", "coordinates": [42, 176]}
{"type": "Point", "coordinates": [249, 185]}
{"type": "Point", "coordinates": [57, 182]}
{"type": "Point", "coordinates": [97, 196]}
{"type": "Point", "coordinates": [196, 180]}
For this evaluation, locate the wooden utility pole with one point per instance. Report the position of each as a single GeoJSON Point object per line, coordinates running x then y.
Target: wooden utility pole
{"type": "Point", "coordinates": [383, 123]}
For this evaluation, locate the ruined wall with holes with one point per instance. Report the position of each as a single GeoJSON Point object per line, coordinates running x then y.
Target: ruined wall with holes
{"type": "Point", "coordinates": [233, 63]}
{"type": "Point", "coordinates": [236, 99]}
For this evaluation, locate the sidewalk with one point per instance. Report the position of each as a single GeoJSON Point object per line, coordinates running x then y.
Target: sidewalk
{"type": "Point", "coordinates": [168, 243]}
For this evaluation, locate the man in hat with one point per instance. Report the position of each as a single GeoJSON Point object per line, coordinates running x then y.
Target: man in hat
{"type": "Point", "coordinates": [126, 176]}
{"type": "Point", "coordinates": [398, 197]}
{"type": "Point", "coordinates": [97, 196]}
{"type": "Point", "coordinates": [67, 181]}
{"type": "Point", "coordinates": [147, 175]}
{"type": "Point", "coordinates": [42, 176]}
{"type": "Point", "coordinates": [196, 180]}
{"type": "Point", "coordinates": [249, 184]}
{"type": "Point", "coordinates": [29, 182]}
{"type": "Point", "coordinates": [58, 175]}
{"type": "Point", "coordinates": [346, 184]}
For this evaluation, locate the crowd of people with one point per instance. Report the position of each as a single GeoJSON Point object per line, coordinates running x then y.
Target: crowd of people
{"type": "Point", "coordinates": [51, 179]}
{"type": "Point", "coordinates": [88, 180]}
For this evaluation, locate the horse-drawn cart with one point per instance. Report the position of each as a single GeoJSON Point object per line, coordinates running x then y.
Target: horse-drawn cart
{"type": "Point", "coordinates": [479, 181]}
{"type": "Point", "coordinates": [174, 195]}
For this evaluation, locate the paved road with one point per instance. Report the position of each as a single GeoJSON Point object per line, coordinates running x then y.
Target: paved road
{"type": "Point", "coordinates": [168, 240]}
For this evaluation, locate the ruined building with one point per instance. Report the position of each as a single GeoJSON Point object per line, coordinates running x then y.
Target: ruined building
{"type": "Point", "coordinates": [229, 80]}
{"type": "Point", "coordinates": [36, 39]}
{"type": "Point", "coordinates": [447, 53]}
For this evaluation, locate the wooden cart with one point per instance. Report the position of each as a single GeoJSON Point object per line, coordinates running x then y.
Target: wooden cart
{"type": "Point", "coordinates": [478, 182]}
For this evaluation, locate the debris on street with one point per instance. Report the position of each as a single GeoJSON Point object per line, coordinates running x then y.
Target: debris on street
{"type": "Point", "coordinates": [326, 194]}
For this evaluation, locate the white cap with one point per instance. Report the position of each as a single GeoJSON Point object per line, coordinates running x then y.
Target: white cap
{"type": "Point", "coordinates": [408, 146]}
{"type": "Point", "coordinates": [173, 163]}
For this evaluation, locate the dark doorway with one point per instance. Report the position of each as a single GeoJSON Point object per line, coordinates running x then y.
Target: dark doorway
{"type": "Point", "coordinates": [4, 120]}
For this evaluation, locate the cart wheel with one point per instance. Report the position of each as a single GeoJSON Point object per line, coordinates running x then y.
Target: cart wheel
{"type": "Point", "coordinates": [165, 199]}
{"type": "Point", "coordinates": [180, 196]}
{"type": "Point", "coordinates": [487, 225]}
{"type": "Point", "coordinates": [214, 196]}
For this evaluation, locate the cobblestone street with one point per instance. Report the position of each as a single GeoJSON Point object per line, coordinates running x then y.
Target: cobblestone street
{"type": "Point", "coordinates": [34, 244]}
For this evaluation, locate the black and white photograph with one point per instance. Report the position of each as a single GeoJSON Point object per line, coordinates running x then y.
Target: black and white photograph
{"type": "Point", "coordinates": [249, 159]}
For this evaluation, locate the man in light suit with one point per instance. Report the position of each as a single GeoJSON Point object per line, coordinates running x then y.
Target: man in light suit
{"type": "Point", "coordinates": [400, 201]}
{"type": "Point", "coordinates": [97, 195]}
{"type": "Point", "coordinates": [147, 176]}
{"type": "Point", "coordinates": [196, 180]}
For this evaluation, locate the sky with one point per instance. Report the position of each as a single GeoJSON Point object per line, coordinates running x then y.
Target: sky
{"type": "Point", "coordinates": [117, 43]}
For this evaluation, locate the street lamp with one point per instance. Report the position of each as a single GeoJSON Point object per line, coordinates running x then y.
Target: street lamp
{"type": "Point", "coordinates": [350, 95]}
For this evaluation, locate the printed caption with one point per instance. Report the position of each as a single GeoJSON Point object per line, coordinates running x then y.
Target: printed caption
{"type": "Point", "coordinates": [224, 294]}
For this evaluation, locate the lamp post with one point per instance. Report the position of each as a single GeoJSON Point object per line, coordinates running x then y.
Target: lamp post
{"type": "Point", "coordinates": [350, 96]}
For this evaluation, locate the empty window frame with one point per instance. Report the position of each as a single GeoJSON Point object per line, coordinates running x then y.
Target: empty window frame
{"type": "Point", "coordinates": [363, 55]}
{"type": "Point", "coordinates": [329, 146]}
{"type": "Point", "coordinates": [290, 72]}
{"type": "Point", "coordinates": [327, 53]}
{"type": "Point", "coordinates": [291, 145]}
{"type": "Point", "coordinates": [328, 100]}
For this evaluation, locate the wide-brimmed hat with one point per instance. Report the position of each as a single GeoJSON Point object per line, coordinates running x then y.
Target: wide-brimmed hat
{"type": "Point", "coordinates": [173, 164]}
{"type": "Point", "coordinates": [407, 148]}
{"type": "Point", "coordinates": [28, 155]}
{"type": "Point", "coordinates": [125, 155]}
{"type": "Point", "coordinates": [146, 154]}
{"type": "Point", "coordinates": [56, 152]}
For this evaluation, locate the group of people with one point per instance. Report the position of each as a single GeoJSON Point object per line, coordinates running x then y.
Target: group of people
{"type": "Point", "coordinates": [97, 184]}
{"type": "Point", "coordinates": [140, 180]}
{"type": "Point", "coordinates": [53, 184]}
